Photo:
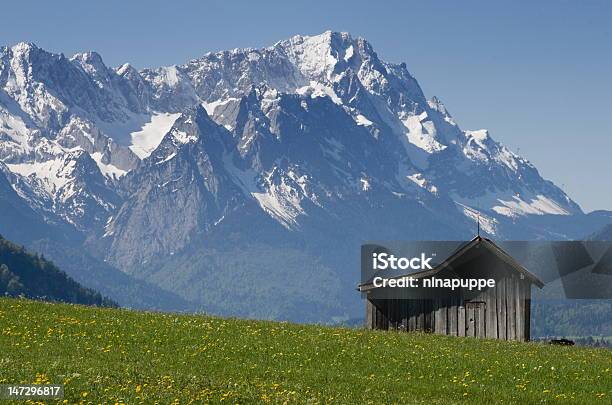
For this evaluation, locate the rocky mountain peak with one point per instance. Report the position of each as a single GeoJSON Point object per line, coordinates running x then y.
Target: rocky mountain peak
{"type": "Point", "coordinates": [23, 49]}
{"type": "Point", "coordinates": [294, 102]}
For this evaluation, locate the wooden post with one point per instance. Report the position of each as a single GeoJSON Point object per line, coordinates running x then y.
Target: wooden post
{"type": "Point", "coordinates": [381, 315]}
{"type": "Point", "coordinates": [520, 309]}
{"type": "Point", "coordinates": [428, 323]}
{"type": "Point", "coordinates": [501, 309]}
{"type": "Point", "coordinates": [481, 320]}
{"type": "Point", "coordinates": [442, 317]}
{"type": "Point", "coordinates": [511, 307]}
{"type": "Point", "coordinates": [391, 309]}
{"type": "Point", "coordinates": [452, 316]}
{"type": "Point", "coordinates": [404, 312]}
{"type": "Point", "coordinates": [412, 315]}
{"type": "Point", "coordinates": [420, 326]}
{"type": "Point", "coordinates": [461, 314]}
{"type": "Point", "coordinates": [491, 310]}
{"type": "Point", "coordinates": [437, 324]}
{"type": "Point", "coordinates": [528, 313]}
{"type": "Point", "coordinates": [470, 320]}
{"type": "Point", "coordinates": [370, 315]}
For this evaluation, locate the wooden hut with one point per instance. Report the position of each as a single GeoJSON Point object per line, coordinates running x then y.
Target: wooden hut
{"type": "Point", "coordinates": [500, 312]}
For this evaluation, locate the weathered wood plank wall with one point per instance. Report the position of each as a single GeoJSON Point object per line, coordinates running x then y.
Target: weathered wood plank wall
{"type": "Point", "coordinates": [502, 312]}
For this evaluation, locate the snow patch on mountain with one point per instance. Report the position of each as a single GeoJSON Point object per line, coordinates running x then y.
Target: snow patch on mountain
{"type": "Point", "coordinates": [107, 169]}
{"type": "Point", "coordinates": [210, 107]}
{"type": "Point", "coordinates": [362, 120]}
{"type": "Point", "coordinates": [170, 76]}
{"type": "Point", "coordinates": [534, 205]}
{"type": "Point", "coordinates": [182, 136]}
{"type": "Point", "coordinates": [317, 89]}
{"type": "Point", "coordinates": [53, 174]}
{"type": "Point", "coordinates": [418, 179]}
{"type": "Point", "coordinates": [148, 138]}
{"type": "Point", "coordinates": [422, 133]}
{"type": "Point", "coordinates": [281, 203]}
{"type": "Point", "coordinates": [513, 204]}
{"type": "Point", "coordinates": [277, 193]}
{"type": "Point", "coordinates": [349, 53]}
{"type": "Point", "coordinates": [15, 129]}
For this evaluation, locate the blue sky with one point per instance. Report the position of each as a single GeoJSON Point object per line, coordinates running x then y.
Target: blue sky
{"type": "Point", "coordinates": [535, 73]}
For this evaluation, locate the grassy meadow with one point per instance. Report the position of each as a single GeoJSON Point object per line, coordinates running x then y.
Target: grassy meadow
{"type": "Point", "coordinates": [119, 356]}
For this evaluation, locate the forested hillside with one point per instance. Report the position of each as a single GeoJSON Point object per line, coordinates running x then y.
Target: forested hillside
{"type": "Point", "coordinates": [26, 274]}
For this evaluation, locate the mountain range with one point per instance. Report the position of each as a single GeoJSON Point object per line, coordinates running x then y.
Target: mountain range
{"type": "Point", "coordinates": [243, 182]}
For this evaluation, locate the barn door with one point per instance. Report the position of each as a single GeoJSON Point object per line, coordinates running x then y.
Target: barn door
{"type": "Point", "coordinates": [475, 313]}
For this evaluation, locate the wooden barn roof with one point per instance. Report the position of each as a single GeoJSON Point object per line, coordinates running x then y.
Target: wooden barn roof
{"type": "Point", "coordinates": [477, 241]}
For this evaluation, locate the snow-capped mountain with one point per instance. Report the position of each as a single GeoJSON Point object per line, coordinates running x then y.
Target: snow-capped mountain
{"type": "Point", "coordinates": [310, 143]}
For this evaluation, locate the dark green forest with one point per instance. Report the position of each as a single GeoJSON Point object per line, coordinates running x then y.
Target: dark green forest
{"type": "Point", "coordinates": [30, 275]}
{"type": "Point", "coordinates": [571, 318]}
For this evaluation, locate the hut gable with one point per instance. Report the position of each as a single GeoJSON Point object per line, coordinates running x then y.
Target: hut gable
{"type": "Point", "coordinates": [465, 253]}
{"type": "Point", "coordinates": [474, 248]}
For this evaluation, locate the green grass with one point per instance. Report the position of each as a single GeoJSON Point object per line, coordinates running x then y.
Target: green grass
{"type": "Point", "coordinates": [110, 355]}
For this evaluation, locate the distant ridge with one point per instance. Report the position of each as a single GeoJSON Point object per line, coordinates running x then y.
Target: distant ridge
{"type": "Point", "coordinates": [604, 234]}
